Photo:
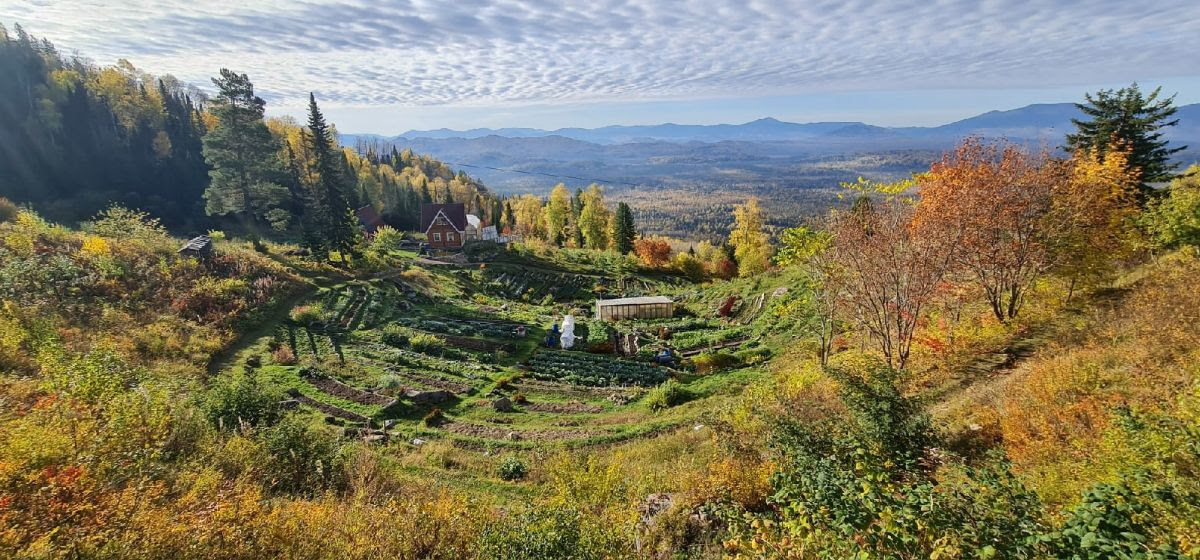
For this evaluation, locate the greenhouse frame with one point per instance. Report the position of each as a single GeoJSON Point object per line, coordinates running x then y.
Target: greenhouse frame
{"type": "Point", "coordinates": [647, 307]}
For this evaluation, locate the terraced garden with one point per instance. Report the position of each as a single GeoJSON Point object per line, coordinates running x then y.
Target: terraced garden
{"type": "Point", "coordinates": [434, 357]}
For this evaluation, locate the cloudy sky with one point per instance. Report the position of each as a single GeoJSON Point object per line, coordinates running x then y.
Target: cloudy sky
{"type": "Point", "coordinates": [386, 66]}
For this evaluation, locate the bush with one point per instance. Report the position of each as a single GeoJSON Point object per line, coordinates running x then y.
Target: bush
{"type": "Point", "coordinates": [307, 315]}
{"type": "Point", "coordinates": [8, 210]}
{"type": "Point", "coordinates": [425, 343]}
{"type": "Point", "coordinates": [512, 468]}
{"type": "Point", "coordinates": [302, 458]}
{"type": "Point", "coordinates": [395, 336]}
{"type": "Point", "coordinates": [549, 533]}
{"type": "Point", "coordinates": [391, 382]}
{"type": "Point", "coordinates": [283, 356]}
{"type": "Point", "coordinates": [668, 394]}
{"type": "Point", "coordinates": [434, 417]}
{"type": "Point", "coordinates": [241, 399]}
{"type": "Point", "coordinates": [709, 362]}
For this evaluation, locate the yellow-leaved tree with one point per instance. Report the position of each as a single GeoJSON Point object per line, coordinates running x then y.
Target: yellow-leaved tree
{"type": "Point", "coordinates": [751, 246]}
{"type": "Point", "coordinates": [1094, 210]}
{"type": "Point", "coordinates": [557, 214]}
{"type": "Point", "coordinates": [594, 218]}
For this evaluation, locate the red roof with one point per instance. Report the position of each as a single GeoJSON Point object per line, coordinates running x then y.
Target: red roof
{"type": "Point", "coordinates": [368, 218]}
{"type": "Point", "coordinates": [455, 212]}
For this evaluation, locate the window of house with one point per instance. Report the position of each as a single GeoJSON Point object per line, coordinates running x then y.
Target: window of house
{"type": "Point", "coordinates": [437, 237]}
{"type": "Point", "coordinates": [449, 237]}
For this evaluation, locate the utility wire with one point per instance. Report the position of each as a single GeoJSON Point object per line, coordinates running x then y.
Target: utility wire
{"type": "Point", "coordinates": [453, 164]}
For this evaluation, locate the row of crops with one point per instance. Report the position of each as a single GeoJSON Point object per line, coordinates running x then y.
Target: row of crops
{"type": "Point", "coordinates": [362, 305]}
{"type": "Point", "coordinates": [459, 328]}
{"type": "Point", "coordinates": [537, 284]}
{"type": "Point", "coordinates": [596, 370]}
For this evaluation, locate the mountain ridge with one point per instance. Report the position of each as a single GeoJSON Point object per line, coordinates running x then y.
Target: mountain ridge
{"type": "Point", "coordinates": [1037, 121]}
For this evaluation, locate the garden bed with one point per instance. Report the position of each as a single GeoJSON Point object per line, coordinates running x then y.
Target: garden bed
{"type": "Point", "coordinates": [336, 388]}
{"type": "Point", "coordinates": [329, 409]}
{"type": "Point", "coordinates": [595, 370]}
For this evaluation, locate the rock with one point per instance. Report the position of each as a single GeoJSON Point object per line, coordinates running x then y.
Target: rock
{"type": "Point", "coordinates": [514, 436]}
{"type": "Point", "coordinates": [428, 397]}
{"type": "Point", "coordinates": [387, 424]}
{"type": "Point", "coordinates": [697, 427]}
{"type": "Point", "coordinates": [502, 404]}
{"type": "Point", "coordinates": [417, 442]}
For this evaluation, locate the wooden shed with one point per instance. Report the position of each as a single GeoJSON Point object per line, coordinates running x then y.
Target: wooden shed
{"type": "Point", "coordinates": [647, 307]}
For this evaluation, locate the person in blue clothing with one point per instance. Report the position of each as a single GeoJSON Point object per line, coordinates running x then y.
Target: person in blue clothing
{"type": "Point", "coordinates": [553, 336]}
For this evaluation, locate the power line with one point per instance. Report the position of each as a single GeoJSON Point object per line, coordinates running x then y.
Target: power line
{"type": "Point", "coordinates": [556, 176]}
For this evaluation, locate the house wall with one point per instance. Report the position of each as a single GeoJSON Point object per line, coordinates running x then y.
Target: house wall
{"type": "Point", "coordinates": [444, 236]}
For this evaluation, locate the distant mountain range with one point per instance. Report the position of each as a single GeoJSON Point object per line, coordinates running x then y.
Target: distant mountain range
{"type": "Point", "coordinates": [1039, 121]}
{"type": "Point", "coordinates": [770, 150]}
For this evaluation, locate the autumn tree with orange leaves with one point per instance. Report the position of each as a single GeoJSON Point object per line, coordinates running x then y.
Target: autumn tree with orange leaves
{"type": "Point", "coordinates": [888, 270]}
{"type": "Point", "coordinates": [992, 203]}
{"type": "Point", "coordinates": [653, 252]}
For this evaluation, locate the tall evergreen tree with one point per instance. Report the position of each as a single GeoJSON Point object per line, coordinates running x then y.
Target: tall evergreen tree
{"type": "Point", "coordinates": [624, 229]}
{"type": "Point", "coordinates": [330, 210]}
{"type": "Point", "coordinates": [1131, 118]}
{"type": "Point", "coordinates": [242, 153]}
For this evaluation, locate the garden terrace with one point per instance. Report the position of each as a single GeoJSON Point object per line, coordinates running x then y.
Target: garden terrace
{"type": "Point", "coordinates": [327, 408]}
{"type": "Point", "coordinates": [336, 388]}
{"type": "Point", "coordinates": [597, 370]}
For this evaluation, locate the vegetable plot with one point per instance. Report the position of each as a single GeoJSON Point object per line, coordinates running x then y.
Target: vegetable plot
{"type": "Point", "coordinates": [596, 370]}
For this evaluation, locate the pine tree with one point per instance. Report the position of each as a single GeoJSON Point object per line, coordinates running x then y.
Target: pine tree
{"type": "Point", "coordinates": [330, 207]}
{"type": "Point", "coordinates": [241, 152]}
{"type": "Point", "coordinates": [623, 230]}
{"type": "Point", "coordinates": [1131, 119]}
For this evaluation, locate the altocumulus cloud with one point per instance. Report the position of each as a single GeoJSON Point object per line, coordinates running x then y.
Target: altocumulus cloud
{"type": "Point", "coordinates": [473, 52]}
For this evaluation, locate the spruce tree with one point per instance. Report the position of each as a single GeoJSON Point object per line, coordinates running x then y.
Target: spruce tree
{"type": "Point", "coordinates": [241, 152]}
{"type": "Point", "coordinates": [330, 206]}
{"type": "Point", "coordinates": [1131, 118]}
{"type": "Point", "coordinates": [624, 229]}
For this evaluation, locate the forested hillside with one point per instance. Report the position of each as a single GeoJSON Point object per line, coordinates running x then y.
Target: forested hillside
{"type": "Point", "coordinates": [75, 137]}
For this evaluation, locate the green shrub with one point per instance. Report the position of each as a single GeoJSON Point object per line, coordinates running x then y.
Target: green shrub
{"type": "Point", "coordinates": [395, 336]}
{"type": "Point", "coordinates": [302, 458]}
{"type": "Point", "coordinates": [751, 356]}
{"type": "Point", "coordinates": [709, 362]}
{"type": "Point", "coordinates": [307, 315]}
{"type": "Point", "coordinates": [512, 468]}
{"type": "Point", "coordinates": [241, 399]}
{"type": "Point", "coordinates": [668, 394]}
{"type": "Point", "coordinates": [550, 533]}
{"type": "Point", "coordinates": [391, 382]}
{"type": "Point", "coordinates": [425, 342]}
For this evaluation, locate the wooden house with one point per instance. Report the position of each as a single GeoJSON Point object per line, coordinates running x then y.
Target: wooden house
{"type": "Point", "coordinates": [369, 219]}
{"type": "Point", "coordinates": [445, 225]}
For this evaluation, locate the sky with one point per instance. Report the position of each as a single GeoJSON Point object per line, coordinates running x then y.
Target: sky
{"type": "Point", "coordinates": [387, 66]}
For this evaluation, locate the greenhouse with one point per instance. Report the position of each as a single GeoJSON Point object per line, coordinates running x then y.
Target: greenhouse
{"type": "Point", "coordinates": [649, 307]}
